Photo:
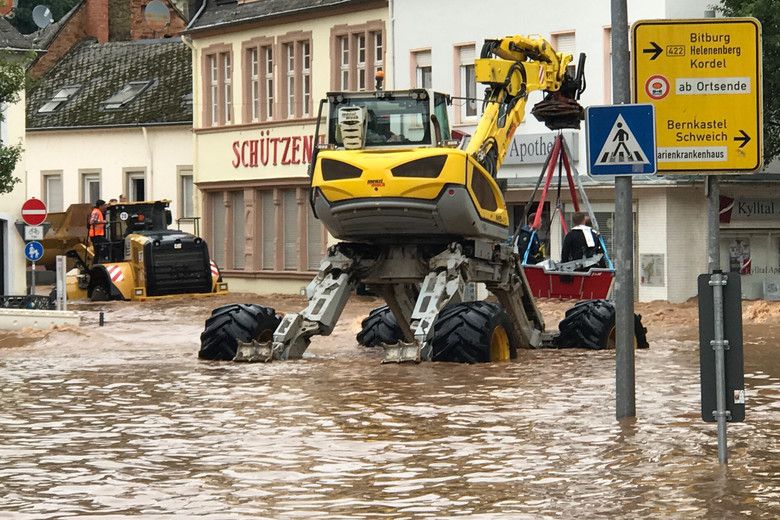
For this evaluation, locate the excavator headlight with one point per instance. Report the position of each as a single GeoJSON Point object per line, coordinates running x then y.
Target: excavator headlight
{"type": "Point", "coordinates": [428, 167]}
{"type": "Point", "coordinates": [333, 170]}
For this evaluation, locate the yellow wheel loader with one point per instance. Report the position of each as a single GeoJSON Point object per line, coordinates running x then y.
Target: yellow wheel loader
{"type": "Point", "coordinates": [420, 218]}
{"type": "Point", "coordinates": [141, 258]}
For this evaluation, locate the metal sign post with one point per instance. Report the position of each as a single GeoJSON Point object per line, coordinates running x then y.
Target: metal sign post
{"type": "Point", "coordinates": [33, 251]}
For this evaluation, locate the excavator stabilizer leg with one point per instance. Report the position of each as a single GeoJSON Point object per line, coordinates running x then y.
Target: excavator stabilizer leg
{"type": "Point", "coordinates": [328, 294]}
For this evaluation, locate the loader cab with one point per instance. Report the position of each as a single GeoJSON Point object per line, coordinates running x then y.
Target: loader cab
{"type": "Point", "coordinates": [387, 119]}
{"type": "Point", "coordinates": [125, 218]}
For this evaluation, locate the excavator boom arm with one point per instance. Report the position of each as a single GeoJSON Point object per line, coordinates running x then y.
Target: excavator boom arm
{"type": "Point", "coordinates": [511, 68]}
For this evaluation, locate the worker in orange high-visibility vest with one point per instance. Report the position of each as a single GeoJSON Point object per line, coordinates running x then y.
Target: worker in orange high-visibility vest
{"type": "Point", "coordinates": [97, 224]}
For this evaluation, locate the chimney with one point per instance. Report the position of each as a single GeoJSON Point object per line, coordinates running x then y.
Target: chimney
{"type": "Point", "coordinates": [97, 19]}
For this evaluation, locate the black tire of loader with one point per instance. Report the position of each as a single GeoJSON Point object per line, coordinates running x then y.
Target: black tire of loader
{"type": "Point", "coordinates": [379, 327]}
{"type": "Point", "coordinates": [232, 323]}
{"type": "Point", "coordinates": [590, 323]}
{"type": "Point", "coordinates": [462, 332]}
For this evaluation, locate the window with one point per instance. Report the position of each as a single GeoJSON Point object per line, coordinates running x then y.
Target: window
{"type": "Point", "coordinates": [254, 83]}
{"type": "Point", "coordinates": [228, 87]}
{"type": "Point", "coordinates": [136, 186]}
{"type": "Point", "coordinates": [289, 60]}
{"type": "Point", "coordinates": [59, 99]}
{"type": "Point", "coordinates": [564, 42]}
{"type": "Point", "coordinates": [90, 187]}
{"type": "Point", "coordinates": [186, 194]}
{"type": "Point", "coordinates": [379, 51]}
{"type": "Point", "coordinates": [468, 82]}
{"type": "Point", "coordinates": [269, 82]}
{"type": "Point", "coordinates": [423, 69]}
{"type": "Point", "coordinates": [216, 240]}
{"type": "Point", "coordinates": [360, 44]}
{"type": "Point", "coordinates": [306, 77]}
{"type": "Point", "coordinates": [237, 227]}
{"type": "Point", "coordinates": [52, 191]}
{"type": "Point", "coordinates": [214, 89]}
{"type": "Point", "coordinates": [287, 236]}
{"type": "Point", "coordinates": [126, 94]}
{"type": "Point", "coordinates": [344, 62]}
{"type": "Point", "coordinates": [357, 53]}
{"type": "Point", "coordinates": [219, 94]}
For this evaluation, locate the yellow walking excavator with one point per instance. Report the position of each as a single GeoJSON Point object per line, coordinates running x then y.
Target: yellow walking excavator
{"type": "Point", "coordinates": [420, 217]}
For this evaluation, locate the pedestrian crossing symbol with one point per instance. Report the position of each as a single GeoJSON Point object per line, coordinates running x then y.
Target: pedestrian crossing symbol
{"type": "Point", "coordinates": [621, 140]}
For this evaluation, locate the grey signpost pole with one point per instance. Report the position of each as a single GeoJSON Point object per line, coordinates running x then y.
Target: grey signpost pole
{"type": "Point", "coordinates": [625, 398]}
{"type": "Point", "coordinates": [717, 281]}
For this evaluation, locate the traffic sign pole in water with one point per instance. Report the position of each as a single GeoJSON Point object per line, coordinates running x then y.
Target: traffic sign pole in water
{"type": "Point", "coordinates": [625, 393]}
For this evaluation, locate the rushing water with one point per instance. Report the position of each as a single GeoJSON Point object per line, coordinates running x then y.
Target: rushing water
{"type": "Point", "coordinates": [124, 420]}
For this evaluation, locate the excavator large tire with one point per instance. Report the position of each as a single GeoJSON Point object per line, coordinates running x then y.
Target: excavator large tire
{"type": "Point", "coordinates": [591, 324]}
{"type": "Point", "coordinates": [380, 327]}
{"type": "Point", "coordinates": [473, 332]}
{"type": "Point", "coordinates": [232, 323]}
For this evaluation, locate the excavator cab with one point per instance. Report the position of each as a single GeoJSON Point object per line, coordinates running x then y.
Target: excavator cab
{"type": "Point", "coordinates": [389, 171]}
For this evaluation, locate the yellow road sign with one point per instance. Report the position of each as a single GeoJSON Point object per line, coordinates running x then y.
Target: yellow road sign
{"type": "Point", "coordinates": [704, 78]}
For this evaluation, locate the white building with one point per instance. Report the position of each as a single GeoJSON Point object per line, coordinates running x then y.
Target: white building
{"type": "Point", "coordinates": [12, 263]}
{"type": "Point", "coordinates": [114, 119]}
{"type": "Point", "coordinates": [434, 44]}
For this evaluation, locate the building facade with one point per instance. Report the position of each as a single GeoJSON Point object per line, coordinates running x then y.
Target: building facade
{"type": "Point", "coordinates": [112, 120]}
{"type": "Point", "coordinates": [259, 71]}
{"type": "Point", "coordinates": [670, 212]}
{"type": "Point", "coordinates": [13, 48]}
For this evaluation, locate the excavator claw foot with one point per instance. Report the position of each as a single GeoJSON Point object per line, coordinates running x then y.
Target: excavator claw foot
{"type": "Point", "coordinates": [254, 351]}
{"type": "Point", "coordinates": [402, 352]}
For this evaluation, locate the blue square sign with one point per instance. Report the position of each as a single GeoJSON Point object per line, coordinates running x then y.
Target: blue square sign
{"type": "Point", "coordinates": [621, 139]}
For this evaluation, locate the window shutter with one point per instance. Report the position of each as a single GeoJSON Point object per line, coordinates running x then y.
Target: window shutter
{"type": "Point", "coordinates": [290, 230]}
{"type": "Point", "coordinates": [239, 238]}
{"type": "Point", "coordinates": [269, 229]}
{"type": "Point", "coordinates": [423, 59]}
{"type": "Point", "coordinates": [565, 43]}
{"type": "Point", "coordinates": [467, 55]}
{"type": "Point", "coordinates": [54, 193]}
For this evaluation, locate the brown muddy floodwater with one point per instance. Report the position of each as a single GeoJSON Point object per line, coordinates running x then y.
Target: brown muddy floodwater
{"type": "Point", "coordinates": [124, 420]}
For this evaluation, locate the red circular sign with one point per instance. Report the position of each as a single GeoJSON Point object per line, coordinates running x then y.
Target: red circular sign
{"type": "Point", "coordinates": [34, 212]}
{"type": "Point", "coordinates": [657, 87]}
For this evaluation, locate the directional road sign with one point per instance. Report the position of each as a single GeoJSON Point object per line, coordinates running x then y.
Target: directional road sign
{"type": "Point", "coordinates": [34, 212]}
{"type": "Point", "coordinates": [620, 139]}
{"type": "Point", "coordinates": [704, 78]}
{"type": "Point", "coordinates": [33, 251]}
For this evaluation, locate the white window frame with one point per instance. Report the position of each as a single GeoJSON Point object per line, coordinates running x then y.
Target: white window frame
{"type": "Point", "coordinates": [379, 51]}
{"type": "Point", "coordinates": [289, 60]}
{"type": "Point", "coordinates": [360, 60]}
{"type": "Point", "coordinates": [132, 174]}
{"type": "Point", "coordinates": [305, 49]}
{"type": "Point", "coordinates": [184, 201]}
{"type": "Point", "coordinates": [46, 176]}
{"type": "Point", "coordinates": [227, 71]}
{"type": "Point", "coordinates": [254, 82]}
{"type": "Point", "coordinates": [268, 68]}
{"type": "Point", "coordinates": [214, 88]}
{"type": "Point", "coordinates": [344, 62]}
{"type": "Point", "coordinates": [88, 177]}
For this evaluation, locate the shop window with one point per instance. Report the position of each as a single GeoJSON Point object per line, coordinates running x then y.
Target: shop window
{"type": "Point", "coordinates": [358, 52]}
{"type": "Point", "coordinates": [237, 228]}
{"type": "Point", "coordinates": [291, 235]}
{"type": "Point", "coordinates": [217, 236]}
{"type": "Point", "coordinates": [268, 229]}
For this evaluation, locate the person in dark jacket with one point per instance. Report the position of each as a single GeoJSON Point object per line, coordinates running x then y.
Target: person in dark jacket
{"type": "Point", "coordinates": [581, 241]}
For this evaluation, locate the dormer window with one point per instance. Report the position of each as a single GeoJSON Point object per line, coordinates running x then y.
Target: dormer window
{"type": "Point", "coordinates": [126, 94]}
{"type": "Point", "coordinates": [60, 98]}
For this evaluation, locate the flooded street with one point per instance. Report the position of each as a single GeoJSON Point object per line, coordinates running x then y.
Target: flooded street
{"type": "Point", "coordinates": [125, 420]}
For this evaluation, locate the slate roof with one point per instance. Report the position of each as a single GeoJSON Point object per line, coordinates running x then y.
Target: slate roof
{"type": "Point", "coordinates": [102, 70]}
{"type": "Point", "coordinates": [224, 12]}
{"type": "Point", "coordinates": [10, 38]}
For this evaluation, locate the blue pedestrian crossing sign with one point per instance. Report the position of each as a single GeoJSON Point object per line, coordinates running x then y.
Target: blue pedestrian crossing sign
{"type": "Point", "coordinates": [33, 251]}
{"type": "Point", "coordinates": [621, 139]}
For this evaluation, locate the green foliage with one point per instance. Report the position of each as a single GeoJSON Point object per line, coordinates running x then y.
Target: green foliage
{"type": "Point", "coordinates": [768, 13]}
{"type": "Point", "coordinates": [11, 82]}
{"type": "Point", "coordinates": [22, 14]}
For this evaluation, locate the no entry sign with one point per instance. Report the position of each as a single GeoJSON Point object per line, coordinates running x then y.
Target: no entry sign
{"type": "Point", "coordinates": [34, 212]}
